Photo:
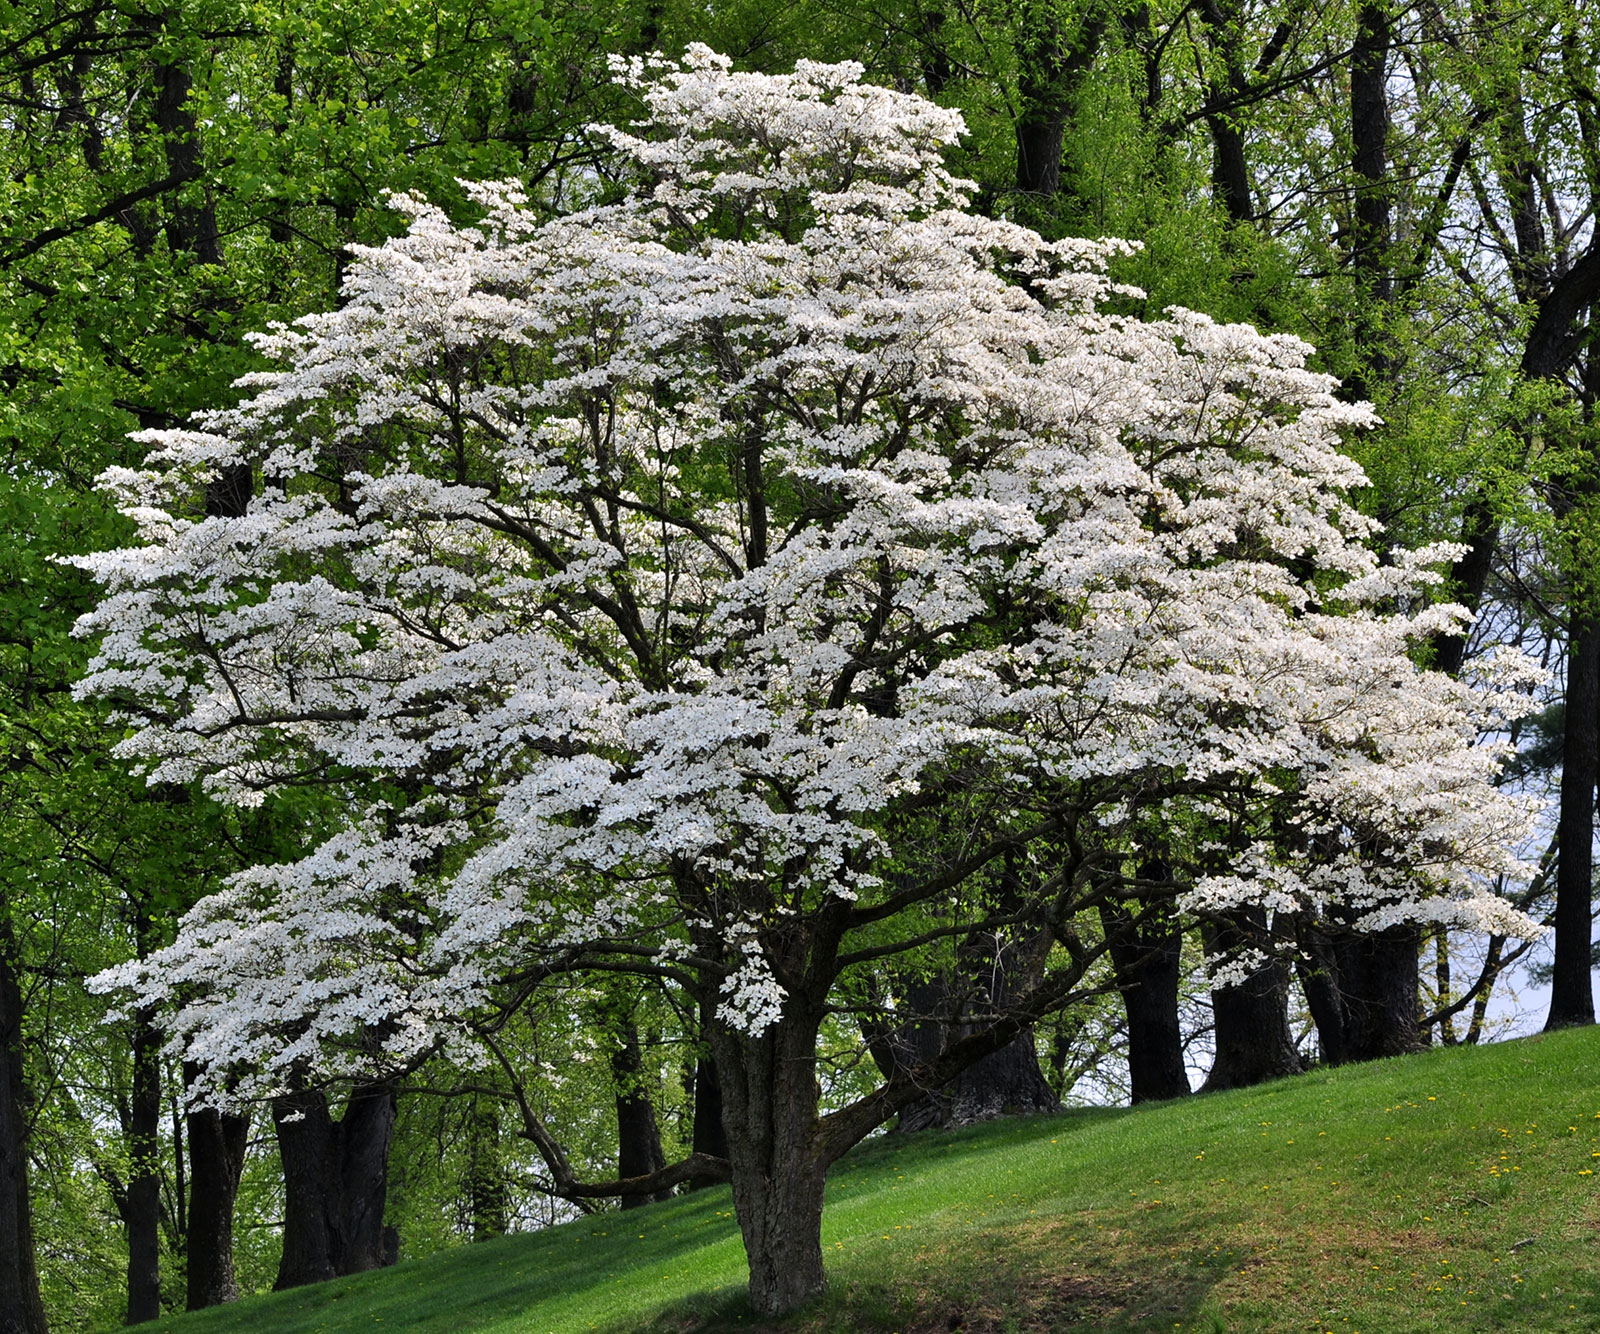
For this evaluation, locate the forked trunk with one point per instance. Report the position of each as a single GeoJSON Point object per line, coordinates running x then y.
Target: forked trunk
{"type": "Point", "coordinates": [769, 1111]}
{"type": "Point", "coordinates": [1317, 966]}
{"type": "Point", "coordinates": [335, 1176]}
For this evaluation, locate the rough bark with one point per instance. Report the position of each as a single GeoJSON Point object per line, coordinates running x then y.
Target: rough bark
{"type": "Point", "coordinates": [21, 1308]}
{"type": "Point", "coordinates": [1572, 992]}
{"type": "Point", "coordinates": [638, 1137]}
{"type": "Point", "coordinates": [216, 1158]}
{"type": "Point", "coordinates": [1252, 1034]}
{"type": "Point", "coordinates": [142, 1206]}
{"type": "Point", "coordinates": [335, 1183]}
{"type": "Point", "coordinates": [1146, 954]}
{"type": "Point", "coordinates": [769, 1090]}
{"type": "Point", "coordinates": [1378, 977]}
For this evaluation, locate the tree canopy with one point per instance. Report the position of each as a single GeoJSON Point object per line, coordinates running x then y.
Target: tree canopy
{"type": "Point", "coordinates": [778, 570]}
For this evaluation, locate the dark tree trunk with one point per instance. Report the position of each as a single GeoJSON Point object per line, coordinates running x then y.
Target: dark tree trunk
{"type": "Point", "coordinates": [191, 227]}
{"type": "Point", "coordinates": [1572, 993]}
{"type": "Point", "coordinates": [335, 1178]}
{"type": "Point", "coordinates": [933, 54]}
{"type": "Point", "coordinates": [638, 1137]}
{"type": "Point", "coordinates": [486, 1173]}
{"type": "Point", "coordinates": [1008, 1082]}
{"type": "Point", "coordinates": [365, 1132]}
{"type": "Point", "coordinates": [707, 1135]}
{"type": "Point", "coordinates": [1480, 1007]}
{"type": "Point", "coordinates": [21, 1309]}
{"type": "Point", "coordinates": [142, 1211]}
{"type": "Point", "coordinates": [1318, 969]}
{"type": "Point", "coordinates": [310, 1176]}
{"type": "Point", "coordinates": [1369, 139]}
{"type": "Point", "coordinates": [769, 1090]}
{"type": "Point", "coordinates": [1378, 977]}
{"type": "Point", "coordinates": [1051, 63]}
{"type": "Point", "coordinates": [1362, 990]}
{"type": "Point", "coordinates": [1252, 1021]}
{"type": "Point", "coordinates": [1443, 987]}
{"type": "Point", "coordinates": [1005, 1082]}
{"type": "Point", "coordinates": [1146, 955]}
{"type": "Point", "coordinates": [1230, 173]}
{"type": "Point", "coordinates": [216, 1158]}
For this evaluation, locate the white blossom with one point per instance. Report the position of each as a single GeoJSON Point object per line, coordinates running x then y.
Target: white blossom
{"type": "Point", "coordinates": [670, 549]}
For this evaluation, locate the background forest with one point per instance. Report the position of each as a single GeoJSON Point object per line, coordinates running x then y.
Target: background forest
{"type": "Point", "coordinates": [1409, 187]}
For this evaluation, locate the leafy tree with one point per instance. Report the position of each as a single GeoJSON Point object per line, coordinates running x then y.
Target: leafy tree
{"type": "Point", "coordinates": [650, 572]}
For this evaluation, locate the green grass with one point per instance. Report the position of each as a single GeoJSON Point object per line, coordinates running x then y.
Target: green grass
{"type": "Point", "coordinates": [1456, 1190]}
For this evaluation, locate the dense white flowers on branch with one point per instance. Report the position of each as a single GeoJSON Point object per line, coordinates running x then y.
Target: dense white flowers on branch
{"type": "Point", "coordinates": [651, 577]}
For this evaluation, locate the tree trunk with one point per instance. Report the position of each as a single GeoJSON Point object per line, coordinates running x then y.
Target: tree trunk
{"type": "Point", "coordinates": [1146, 958]}
{"type": "Point", "coordinates": [335, 1177]}
{"type": "Point", "coordinates": [1378, 977]}
{"type": "Point", "coordinates": [709, 1137]}
{"type": "Point", "coordinates": [142, 1214]}
{"type": "Point", "coordinates": [305, 1144]}
{"type": "Point", "coordinates": [1317, 967]}
{"type": "Point", "coordinates": [769, 1090]}
{"type": "Point", "coordinates": [217, 1144]}
{"type": "Point", "coordinates": [1369, 140]}
{"type": "Point", "coordinates": [1006, 1082]}
{"type": "Point", "coordinates": [21, 1308]}
{"type": "Point", "coordinates": [1572, 993]}
{"type": "Point", "coordinates": [1230, 173]}
{"type": "Point", "coordinates": [1362, 990]}
{"type": "Point", "coordinates": [1480, 1007]}
{"type": "Point", "coordinates": [1252, 1022]}
{"type": "Point", "coordinates": [638, 1137]}
{"type": "Point", "coordinates": [1443, 987]}
{"type": "Point", "coordinates": [486, 1172]}
{"type": "Point", "coordinates": [1051, 63]}
{"type": "Point", "coordinates": [365, 1134]}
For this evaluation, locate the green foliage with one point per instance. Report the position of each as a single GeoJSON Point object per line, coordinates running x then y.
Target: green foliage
{"type": "Point", "coordinates": [299, 116]}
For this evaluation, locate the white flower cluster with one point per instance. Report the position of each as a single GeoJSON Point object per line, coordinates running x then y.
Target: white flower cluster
{"type": "Point", "coordinates": [667, 549]}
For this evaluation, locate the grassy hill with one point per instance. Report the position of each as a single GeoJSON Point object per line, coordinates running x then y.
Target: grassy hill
{"type": "Point", "coordinates": [1457, 1190]}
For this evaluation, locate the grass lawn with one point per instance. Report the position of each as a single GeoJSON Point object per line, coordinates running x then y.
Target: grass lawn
{"type": "Point", "coordinates": [1457, 1190]}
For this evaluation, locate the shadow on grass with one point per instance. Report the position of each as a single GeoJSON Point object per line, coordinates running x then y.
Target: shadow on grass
{"type": "Point", "coordinates": [1019, 1280]}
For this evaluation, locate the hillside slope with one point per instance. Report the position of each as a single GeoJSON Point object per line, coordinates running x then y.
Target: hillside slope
{"type": "Point", "coordinates": [1457, 1190]}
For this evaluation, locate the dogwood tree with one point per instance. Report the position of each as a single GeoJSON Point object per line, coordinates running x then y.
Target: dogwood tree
{"type": "Point", "coordinates": [774, 574]}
